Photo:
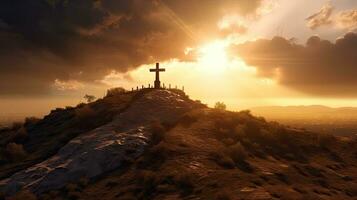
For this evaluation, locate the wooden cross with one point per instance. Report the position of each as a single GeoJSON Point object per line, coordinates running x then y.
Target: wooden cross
{"type": "Point", "coordinates": [157, 71]}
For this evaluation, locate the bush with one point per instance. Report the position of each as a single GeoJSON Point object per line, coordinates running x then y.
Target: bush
{"type": "Point", "coordinates": [188, 119]}
{"type": "Point", "coordinates": [185, 182]}
{"type": "Point", "coordinates": [157, 133]}
{"type": "Point", "coordinates": [24, 195]}
{"type": "Point", "coordinates": [325, 140]}
{"type": "Point", "coordinates": [220, 106]}
{"type": "Point", "coordinates": [80, 105]}
{"type": "Point", "coordinates": [223, 160]}
{"type": "Point", "coordinates": [115, 91]}
{"type": "Point", "coordinates": [15, 152]}
{"type": "Point", "coordinates": [20, 135]}
{"type": "Point", "coordinates": [228, 141]}
{"type": "Point", "coordinates": [239, 131]}
{"type": "Point", "coordinates": [30, 121]}
{"type": "Point", "coordinates": [237, 152]}
{"type": "Point", "coordinates": [148, 181]}
{"type": "Point", "coordinates": [85, 112]}
{"type": "Point", "coordinates": [252, 129]}
{"type": "Point", "coordinates": [223, 195]}
{"type": "Point", "coordinates": [71, 187]}
{"type": "Point", "coordinates": [83, 181]}
{"type": "Point", "coordinates": [16, 125]}
{"type": "Point", "coordinates": [155, 157]}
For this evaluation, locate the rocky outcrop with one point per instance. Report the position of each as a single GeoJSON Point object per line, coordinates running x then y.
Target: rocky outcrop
{"type": "Point", "coordinates": [105, 148]}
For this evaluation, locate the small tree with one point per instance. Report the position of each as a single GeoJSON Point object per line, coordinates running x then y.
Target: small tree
{"type": "Point", "coordinates": [89, 98]}
{"type": "Point", "coordinates": [220, 106]}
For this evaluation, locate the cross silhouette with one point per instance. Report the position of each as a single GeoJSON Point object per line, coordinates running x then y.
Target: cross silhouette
{"type": "Point", "coordinates": [157, 71]}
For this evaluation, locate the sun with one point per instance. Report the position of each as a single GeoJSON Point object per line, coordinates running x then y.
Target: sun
{"type": "Point", "coordinates": [213, 56]}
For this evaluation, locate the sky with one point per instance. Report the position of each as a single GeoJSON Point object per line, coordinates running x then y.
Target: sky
{"type": "Point", "coordinates": [245, 53]}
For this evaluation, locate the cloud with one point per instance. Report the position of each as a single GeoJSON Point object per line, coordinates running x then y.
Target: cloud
{"type": "Point", "coordinates": [46, 40]}
{"type": "Point", "coordinates": [320, 18]}
{"type": "Point", "coordinates": [319, 67]}
{"type": "Point", "coordinates": [67, 85]}
{"type": "Point", "coordinates": [347, 19]}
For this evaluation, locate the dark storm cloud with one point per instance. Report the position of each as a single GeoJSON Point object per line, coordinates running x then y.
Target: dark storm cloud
{"type": "Point", "coordinates": [45, 40]}
{"type": "Point", "coordinates": [319, 67]}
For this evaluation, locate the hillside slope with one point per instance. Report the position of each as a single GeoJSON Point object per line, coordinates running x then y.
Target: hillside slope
{"type": "Point", "coordinates": [221, 155]}
{"type": "Point", "coordinates": [166, 146]}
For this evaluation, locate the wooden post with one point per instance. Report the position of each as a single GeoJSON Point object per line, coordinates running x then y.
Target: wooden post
{"type": "Point", "coordinates": [169, 86]}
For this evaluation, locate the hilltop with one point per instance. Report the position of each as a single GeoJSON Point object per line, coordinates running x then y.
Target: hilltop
{"type": "Point", "coordinates": [159, 144]}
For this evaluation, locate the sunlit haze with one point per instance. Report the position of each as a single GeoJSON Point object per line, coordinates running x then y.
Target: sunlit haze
{"type": "Point", "coordinates": [245, 54]}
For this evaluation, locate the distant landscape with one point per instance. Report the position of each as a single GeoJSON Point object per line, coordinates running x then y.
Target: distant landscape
{"type": "Point", "coordinates": [338, 121]}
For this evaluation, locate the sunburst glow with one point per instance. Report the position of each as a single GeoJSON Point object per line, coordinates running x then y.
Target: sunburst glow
{"type": "Point", "coordinates": [213, 56]}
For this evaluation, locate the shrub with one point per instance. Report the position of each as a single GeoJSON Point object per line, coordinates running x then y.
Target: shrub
{"type": "Point", "coordinates": [252, 129]}
{"type": "Point", "coordinates": [223, 195]}
{"type": "Point", "coordinates": [237, 152]}
{"type": "Point", "coordinates": [223, 160]}
{"type": "Point", "coordinates": [228, 141]}
{"type": "Point", "coordinates": [71, 187]}
{"type": "Point", "coordinates": [30, 121]}
{"type": "Point", "coordinates": [115, 91]}
{"type": "Point", "coordinates": [16, 125]}
{"type": "Point", "coordinates": [239, 131]}
{"type": "Point", "coordinates": [155, 157]}
{"type": "Point", "coordinates": [282, 135]}
{"type": "Point", "coordinates": [24, 195]}
{"type": "Point", "coordinates": [74, 195]}
{"type": "Point", "coordinates": [20, 135]}
{"type": "Point", "coordinates": [188, 119]}
{"type": "Point", "coordinates": [85, 112]}
{"type": "Point", "coordinates": [325, 140]}
{"type": "Point", "coordinates": [15, 152]}
{"type": "Point", "coordinates": [80, 105]}
{"type": "Point", "coordinates": [83, 181]}
{"type": "Point", "coordinates": [148, 182]}
{"type": "Point", "coordinates": [185, 182]}
{"type": "Point", "coordinates": [157, 133]}
{"type": "Point", "coordinates": [220, 106]}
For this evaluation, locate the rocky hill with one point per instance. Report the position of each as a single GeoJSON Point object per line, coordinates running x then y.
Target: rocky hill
{"type": "Point", "coordinates": [159, 144]}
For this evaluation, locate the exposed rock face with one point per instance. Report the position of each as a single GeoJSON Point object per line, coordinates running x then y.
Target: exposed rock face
{"type": "Point", "coordinates": [102, 149]}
